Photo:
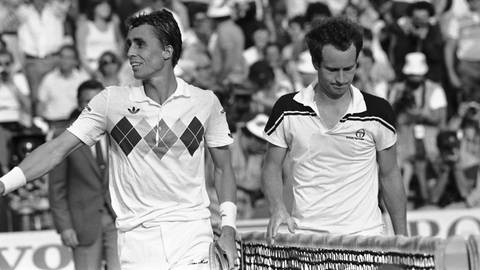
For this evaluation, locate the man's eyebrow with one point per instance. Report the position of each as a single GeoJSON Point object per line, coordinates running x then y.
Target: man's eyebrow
{"type": "Point", "coordinates": [336, 68]}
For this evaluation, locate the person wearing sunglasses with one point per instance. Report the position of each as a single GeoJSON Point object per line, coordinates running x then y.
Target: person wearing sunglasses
{"type": "Point", "coordinates": [108, 69]}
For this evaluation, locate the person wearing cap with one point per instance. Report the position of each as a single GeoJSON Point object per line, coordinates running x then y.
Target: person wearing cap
{"type": "Point", "coordinates": [158, 132]}
{"type": "Point", "coordinates": [342, 143]}
{"type": "Point", "coordinates": [421, 108]}
{"type": "Point", "coordinates": [248, 150]}
{"type": "Point", "coordinates": [227, 45]}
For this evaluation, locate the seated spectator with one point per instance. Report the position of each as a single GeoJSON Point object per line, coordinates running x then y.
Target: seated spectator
{"type": "Point", "coordinates": [421, 108]}
{"type": "Point", "coordinates": [260, 37]}
{"type": "Point", "coordinates": [262, 77]}
{"type": "Point", "coordinates": [457, 174]}
{"type": "Point", "coordinates": [274, 57]}
{"type": "Point", "coordinates": [97, 33]}
{"type": "Point", "coordinates": [108, 69]}
{"type": "Point", "coordinates": [247, 159]}
{"type": "Point", "coordinates": [296, 32]}
{"type": "Point", "coordinates": [58, 91]}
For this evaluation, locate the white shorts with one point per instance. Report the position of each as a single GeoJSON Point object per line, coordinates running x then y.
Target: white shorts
{"type": "Point", "coordinates": [168, 245]}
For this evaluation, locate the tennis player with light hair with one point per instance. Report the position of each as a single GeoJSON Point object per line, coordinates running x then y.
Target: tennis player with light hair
{"type": "Point", "coordinates": [342, 143]}
{"type": "Point", "coordinates": [158, 134]}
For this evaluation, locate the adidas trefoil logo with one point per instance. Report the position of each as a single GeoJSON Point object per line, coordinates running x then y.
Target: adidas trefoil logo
{"type": "Point", "coordinates": [133, 110]}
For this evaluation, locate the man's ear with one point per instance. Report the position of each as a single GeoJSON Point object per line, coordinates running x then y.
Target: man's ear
{"type": "Point", "coordinates": [167, 52]}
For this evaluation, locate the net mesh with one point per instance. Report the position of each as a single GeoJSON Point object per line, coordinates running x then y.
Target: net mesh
{"type": "Point", "coordinates": [322, 252]}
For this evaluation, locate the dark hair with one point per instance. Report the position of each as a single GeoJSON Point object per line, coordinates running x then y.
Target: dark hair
{"type": "Point", "coordinates": [339, 32]}
{"type": "Point", "coordinates": [317, 9]}
{"type": "Point", "coordinates": [68, 47]}
{"type": "Point", "coordinates": [90, 12]}
{"type": "Point", "coordinates": [420, 5]}
{"type": "Point", "coordinates": [165, 27]}
{"type": "Point", "coordinates": [91, 84]}
{"type": "Point", "coordinates": [261, 73]}
{"type": "Point", "coordinates": [297, 19]}
{"type": "Point", "coordinates": [5, 51]}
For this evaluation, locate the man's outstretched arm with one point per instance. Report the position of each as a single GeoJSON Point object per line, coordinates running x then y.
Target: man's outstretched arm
{"type": "Point", "coordinates": [40, 161]}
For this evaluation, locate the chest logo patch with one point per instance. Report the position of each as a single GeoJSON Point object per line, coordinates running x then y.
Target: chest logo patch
{"type": "Point", "coordinates": [359, 135]}
{"type": "Point", "coordinates": [133, 110]}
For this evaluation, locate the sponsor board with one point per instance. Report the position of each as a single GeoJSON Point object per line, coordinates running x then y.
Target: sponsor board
{"type": "Point", "coordinates": [34, 250]}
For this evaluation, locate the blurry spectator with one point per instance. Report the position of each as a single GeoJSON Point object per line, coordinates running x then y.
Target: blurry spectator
{"type": "Point", "coordinates": [267, 90]}
{"type": "Point", "coordinates": [40, 36]}
{"type": "Point", "coordinates": [195, 53]}
{"type": "Point", "coordinates": [203, 74]}
{"type": "Point", "coordinates": [361, 11]}
{"type": "Point", "coordinates": [9, 23]}
{"type": "Point", "coordinates": [247, 159]}
{"type": "Point", "coordinates": [303, 71]}
{"type": "Point", "coordinates": [78, 189]}
{"type": "Point", "coordinates": [462, 52]}
{"type": "Point", "coordinates": [196, 41]}
{"type": "Point", "coordinates": [456, 179]}
{"type": "Point", "coordinates": [260, 37]}
{"type": "Point", "coordinates": [14, 104]}
{"type": "Point", "coordinates": [419, 32]}
{"type": "Point", "coordinates": [366, 78]}
{"type": "Point", "coordinates": [274, 57]}
{"type": "Point", "coordinates": [296, 31]}
{"type": "Point", "coordinates": [227, 45]}
{"type": "Point", "coordinates": [58, 90]}
{"type": "Point", "coordinates": [108, 69]}
{"type": "Point", "coordinates": [244, 13]}
{"type": "Point", "coordinates": [420, 105]}
{"type": "Point", "coordinates": [371, 41]}
{"type": "Point", "coordinates": [316, 11]}
{"type": "Point", "coordinates": [97, 33]}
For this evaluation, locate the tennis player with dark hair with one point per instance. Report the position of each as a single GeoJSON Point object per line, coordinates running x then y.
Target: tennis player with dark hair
{"type": "Point", "coordinates": [158, 133]}
{"type": "Point", "coordinates": [342, 143]}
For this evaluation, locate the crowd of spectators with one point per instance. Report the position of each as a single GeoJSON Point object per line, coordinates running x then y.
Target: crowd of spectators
{"type": "Point", "coordinates": [422, 56]}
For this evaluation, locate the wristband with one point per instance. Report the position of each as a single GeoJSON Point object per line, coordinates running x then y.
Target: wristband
{"type": "Point", "coordinates": [13, 180]}
{"type": "Point", "coordinates": [228, 213]}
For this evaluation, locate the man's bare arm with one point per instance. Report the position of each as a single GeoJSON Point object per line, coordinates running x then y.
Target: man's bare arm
{"type": "Point", "coordinates": [45, 157]}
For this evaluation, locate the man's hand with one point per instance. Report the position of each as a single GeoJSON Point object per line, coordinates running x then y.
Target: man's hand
{"type": "Point", "coordinates": [226, 242]}
{"type": "Point", "coordinates": [69, 238]}
{"type": "Point", "coordinates": [278, 218]}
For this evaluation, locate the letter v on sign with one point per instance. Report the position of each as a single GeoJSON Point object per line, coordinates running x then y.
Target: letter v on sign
{"type": "Point", "coordinates": [4, 264]}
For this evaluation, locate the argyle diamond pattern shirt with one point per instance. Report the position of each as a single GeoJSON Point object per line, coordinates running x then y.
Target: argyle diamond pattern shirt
{"type": "Point", "coordinates": [159, 138]}
{"type": "Point", "coordinates": [157, 151]}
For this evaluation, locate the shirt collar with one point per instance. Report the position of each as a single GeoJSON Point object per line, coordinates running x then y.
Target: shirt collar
{"type": "Point", "coordinates": [306, 97]}
{"type": "Point", "coordinates": [137, 92]}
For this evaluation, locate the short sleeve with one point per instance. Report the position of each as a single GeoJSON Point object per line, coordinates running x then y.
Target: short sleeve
{"type": "Point", "coordinates": [275, 129]}
{"type": "Point", "coordinates": [91, 123]}
{"type": "Point", "coordinates": [385, 134]}
{"type": "Point", "coordinates": [217, 132]}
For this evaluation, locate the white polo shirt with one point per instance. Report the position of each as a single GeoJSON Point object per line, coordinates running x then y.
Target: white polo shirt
{"type": "Point", "coordinates": [335, 170]}
{"type": "Point", "coordinates": [156, 151]}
